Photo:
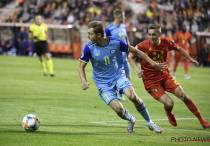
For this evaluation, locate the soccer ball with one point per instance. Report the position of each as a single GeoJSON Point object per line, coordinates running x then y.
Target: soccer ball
{"type": "Point", "coordinates": [30, 123]}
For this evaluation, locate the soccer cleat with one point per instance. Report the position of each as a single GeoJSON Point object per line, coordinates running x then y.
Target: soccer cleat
{"type": "Point", "coordinates": [186, 77]}
{"type": "Point", "coordinates": [154, 127]}
{"type": "Point", "coordinates": [131, 123]}
{"type": "Point", "coordinates": [205, 124]}
{"type": "Point", "coordinates": [172, 119]}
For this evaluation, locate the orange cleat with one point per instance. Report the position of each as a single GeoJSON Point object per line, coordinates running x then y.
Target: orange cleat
{"type": "Point", "coordinates": [172, 119]}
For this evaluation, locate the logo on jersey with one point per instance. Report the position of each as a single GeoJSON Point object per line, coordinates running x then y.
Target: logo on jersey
{"type": "Point", "coordinates": [97, 54]}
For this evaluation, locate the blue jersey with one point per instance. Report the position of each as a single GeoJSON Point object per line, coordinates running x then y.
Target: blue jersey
{"type": "Point", "coordinates": [105, 60]}
{"type": "Point", "coordinates": [119, 32]}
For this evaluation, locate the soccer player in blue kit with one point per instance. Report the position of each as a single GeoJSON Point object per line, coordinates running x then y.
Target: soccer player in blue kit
{"type": "Point", "coordinates": [117, 29]}
{"type": "Point", "coordinates": [109, 74]}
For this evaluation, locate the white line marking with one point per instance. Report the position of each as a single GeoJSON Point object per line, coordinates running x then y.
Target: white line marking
{"type": "Point", "coordinates": [120, 123]}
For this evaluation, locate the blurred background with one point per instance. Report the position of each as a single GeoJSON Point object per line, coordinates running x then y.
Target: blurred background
{"type": "Point", "coordinates": [68, 19]}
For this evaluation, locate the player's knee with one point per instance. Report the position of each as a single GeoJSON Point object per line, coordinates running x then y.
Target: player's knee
{"type": "Point", "coordinates": [169, 103]}
{"type": "Point", "coordinates": [182, 96]}
{"type": "Point", "coordinates": [132, 96]}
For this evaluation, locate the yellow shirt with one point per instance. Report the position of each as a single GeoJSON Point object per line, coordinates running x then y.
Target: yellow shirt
{"type": "Point", "coordinates": [39, 32]}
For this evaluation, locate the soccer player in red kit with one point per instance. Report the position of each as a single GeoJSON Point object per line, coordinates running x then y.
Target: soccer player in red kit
{"type": "Point", "coordinates": [157, 83]}
{"type": "Point", "coordinates": [182, 38]}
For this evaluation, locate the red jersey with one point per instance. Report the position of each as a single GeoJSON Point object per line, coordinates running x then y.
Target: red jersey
{"type": "Point", "coordinates": [182, 39]}
{"type": "Point", "coordinates": [158, 54]}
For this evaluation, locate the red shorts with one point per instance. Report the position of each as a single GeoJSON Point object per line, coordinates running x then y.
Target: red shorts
{"type": "Point", "coordinates": [157, 89]}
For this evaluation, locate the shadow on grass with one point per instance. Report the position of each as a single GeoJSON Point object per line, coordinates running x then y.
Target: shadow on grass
{"type": "Point", "coordinates": [79, 133]}
{"type": "Point", "coordinates": [74, 125]}
{"type": "Point", "coordinates": [85, 130]}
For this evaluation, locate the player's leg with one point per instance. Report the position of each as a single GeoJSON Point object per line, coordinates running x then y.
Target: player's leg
{"type": "Point", "coordinates": [43, 65]}
{"type": "Point", "coordinates": [186, 69]}
{"type": "Point", "coordinates": [50, 65]}
{"type": "Point", "coordinates": [109, 96]}
{"type": "Point", "coordinates": [142, 109]}
{"type": "Point", "coordinates": [49, 61]}
{"type": "Point", "coordinates": [39, 53]}
{"type": "Point", "coordinates": [158, 93]}
{"type": "Point", "coordinates": [179, 92]}
{"type": "Point", "coordinates": [168, 107]}
{"type": "Point", "coordinates": [123, 113]}
{"type": "Point", "coordinates": [123, 84]}
{"type": "Point", "coordinates": [176, 62]}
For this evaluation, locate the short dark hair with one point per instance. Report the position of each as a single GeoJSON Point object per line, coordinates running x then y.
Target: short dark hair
{"type": "Point", "coordinates": [154, 26]}
{"type": "Point", "coordinates": [97, 27]}
{"type": "Point", "coordinates": [117, 13]}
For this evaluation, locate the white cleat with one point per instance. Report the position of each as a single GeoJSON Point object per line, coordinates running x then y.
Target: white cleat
{"type": "Point", "coordinates": [131, 123]}
{"type": "Point", "coordinates": [186, 77]}
{"type": "Point", "coordinates": [154, 127]}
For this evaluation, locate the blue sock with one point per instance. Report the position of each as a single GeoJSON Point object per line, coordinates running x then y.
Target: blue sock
{"type": "Point", "coordinates": [141, 108]}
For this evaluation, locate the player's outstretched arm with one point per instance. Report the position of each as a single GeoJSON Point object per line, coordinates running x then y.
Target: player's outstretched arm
{"type": "Point", "coordinates": [82, 75]}
{"type": "Point", "coordinates": [186, 55]}
{"type": "Point", "coordinates": [143, 56]}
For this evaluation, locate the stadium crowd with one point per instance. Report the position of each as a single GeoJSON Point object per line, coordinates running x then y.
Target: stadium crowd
{"type": "Point", "coordinates": [195, 13]}
{"type": "Point", "coordinates": [171, 14]}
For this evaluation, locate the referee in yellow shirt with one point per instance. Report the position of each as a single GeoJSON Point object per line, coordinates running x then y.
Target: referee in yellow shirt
{"type": "Point", "coordinates": [38, 32]}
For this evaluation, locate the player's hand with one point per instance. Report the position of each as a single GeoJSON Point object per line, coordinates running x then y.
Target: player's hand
{"type": "Point", "coordinates": [160, 66]}
{"type": "Point", "coordinates": [85, 85]}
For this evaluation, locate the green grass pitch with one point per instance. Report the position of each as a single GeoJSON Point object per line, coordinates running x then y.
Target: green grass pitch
{"type": "Point", "coordinates": [72, 117]}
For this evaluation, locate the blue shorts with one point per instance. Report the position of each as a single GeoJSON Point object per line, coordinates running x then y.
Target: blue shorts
{"type": "Point", "coordinates": [109, 91]}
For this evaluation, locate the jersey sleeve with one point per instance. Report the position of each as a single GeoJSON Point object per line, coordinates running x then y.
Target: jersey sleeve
{"type": "Point", "coordinates": [172, 45]}
{"type": "Point", "coordinates": [140, 46]}
{"type": "Point", "coordinates": [108, 32]}
{"type": "Point", "coordinates": [85, 56]}
{"type": "Point", "coordinates": [123, 46]}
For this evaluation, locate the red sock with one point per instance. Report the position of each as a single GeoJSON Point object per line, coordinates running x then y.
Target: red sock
{"type": "Point", "coordinates": [168, 109]}
{"type": "Point", "coordinates": [193, 108]}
